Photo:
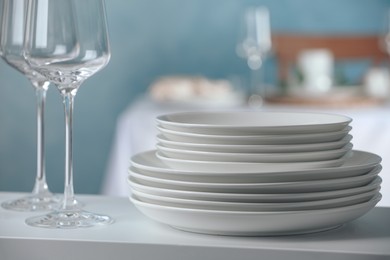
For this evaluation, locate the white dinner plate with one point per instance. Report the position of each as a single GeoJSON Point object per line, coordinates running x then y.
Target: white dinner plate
{"type": "Point", "coordinates": [251, 148]}
{"type": "Point", "coordinates": [223, 166]}
{"type": "Point", "coordinates": [254, 197]}
{"type": "Point", "coordinates": [250, 187]}
{"type": "Point", "coordinates": [259, 187]}
{"type": "Point", "coordinates": [359, 163]}
{"type": "Point", "coordinates": [254, 157]}
{"type": "Point", "coordinates": [317, 137]}
{"type": "Point", "coordinates": [255, 206]}
{"type": "Point", "coordinates": [253, 223]}
{"type": "Point", "coordinates": [253, 122]}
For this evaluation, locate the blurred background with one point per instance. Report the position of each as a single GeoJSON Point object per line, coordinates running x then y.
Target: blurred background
{"type": "Point", "coordinates": [192, 44]}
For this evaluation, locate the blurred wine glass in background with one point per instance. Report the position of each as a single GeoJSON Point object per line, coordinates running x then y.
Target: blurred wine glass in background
{"type": "Point", "coordinates": [254, 45]}
{"type": "Point", "coordinates": [377, 78]}
{"type": "Point", "coordinates": [386, 37]}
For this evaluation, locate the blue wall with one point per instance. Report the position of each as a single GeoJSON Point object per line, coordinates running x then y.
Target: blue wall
{"type": "Point", "coordinates": [149, 38]}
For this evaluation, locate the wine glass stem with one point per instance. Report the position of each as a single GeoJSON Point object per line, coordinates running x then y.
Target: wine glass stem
{"type": "Point", "coordinates": [256, 82]}
{"type": "Point", "coordinates": [40, 186]}
{"type": "Point", "coordinates": [69, 200]}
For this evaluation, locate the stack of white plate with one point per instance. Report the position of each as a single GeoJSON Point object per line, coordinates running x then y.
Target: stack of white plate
{"type": "Point", "coordinates": [254, 173]}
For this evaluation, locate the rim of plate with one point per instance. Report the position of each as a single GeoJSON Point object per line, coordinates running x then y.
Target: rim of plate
{"type": "Point", "coordinates": [164, 130]}
{"type": "Point", "coordinates": [374, 200]}
{"type": "Point", "coordinates": [322, 202]}
{"type": "Point", "coordinates": [343, 149]}
{"type": "Point", "coordinates": [206, 195]}
{"type": "Point", "coordinates": [139, 160]}
{"type": "Point", "coordinates": [310, 147]}
{"type": "Point", "coordinates": [371, 174]}
{"type": "Point", "coordinates": [251, 166]}
{"type": "Point", "coordinates": [137, 175]}
{"type": "Point", "coordinates": [176, 119]}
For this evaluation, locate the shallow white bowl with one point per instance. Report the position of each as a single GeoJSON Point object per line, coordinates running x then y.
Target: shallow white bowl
{"type": "Point", "coordinates": [359, 163]}
{"type": "Point", "coordinates": [253, 223]}
{"type": "Point", "coordinates": [255, 206]}
{"type": "Point", "coordinates": [254, 197]}
{"type": "Point", "coordinates": [250, 148]}
{"type": "Point", "coordinates": [317, 137]}
{"type": "Point", "coordinates": [253, 122]}
{"type": "Point", "coordinates": [258, 187]}
{"type": "Point", "coordinates": [254, 157]}
{"type": "Point", "coordinates": [223, 166]}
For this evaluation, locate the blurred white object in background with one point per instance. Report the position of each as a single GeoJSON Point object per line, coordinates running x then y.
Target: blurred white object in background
{"type": "Point", "coordinates": [315, 68]}
{"type": "Point", "coordinates": [377, 83]}
{"type": "Point", "coordinates": [195, 91]}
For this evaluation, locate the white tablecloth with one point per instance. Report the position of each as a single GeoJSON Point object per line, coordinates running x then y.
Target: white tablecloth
{"type": "Point", "coordinates": [136, 132]}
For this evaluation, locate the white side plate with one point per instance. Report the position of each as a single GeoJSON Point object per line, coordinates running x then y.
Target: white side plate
{"type": "Point", "coordinates": [207, 166]}
{"type": "Point", "coordinates": [359, 163]}
{"type": "Point", "coordinates": [271, 139]}
{"type": "Point", "coordinates": [253, 122]}
{"type": "Point", "coordinates": [255, 157]}
{"type": "Point", "coordinates": [250, 148]}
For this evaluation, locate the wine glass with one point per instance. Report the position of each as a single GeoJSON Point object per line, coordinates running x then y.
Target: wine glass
{"type": "Point", "coordinates": [11, 41]}
{"type": "Point", "coordinates": [385, 43]}
{"type": "Point", "coordinates": [254, 44]}
{"type": "Point", "coordinates": [67, 42]}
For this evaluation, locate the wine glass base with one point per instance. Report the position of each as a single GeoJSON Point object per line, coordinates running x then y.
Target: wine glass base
{"type": "Point", "coordinates": [38, 202]}
{"type": "Point", "coordinates": [255, 101]}
{"type": "Point", "coordinates": [69, 219]}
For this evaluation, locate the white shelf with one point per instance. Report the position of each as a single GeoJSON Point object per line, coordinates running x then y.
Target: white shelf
{"type": "Point", "coordinates": [133, 236]}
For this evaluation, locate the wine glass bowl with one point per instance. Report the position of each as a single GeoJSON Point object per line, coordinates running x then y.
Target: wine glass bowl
{"type": "Point", "coordinates": [67, 42]}
{"type": "Point", "coordinates": [13, 18]}
{"type": "Point", "coordinates": [255, 36]}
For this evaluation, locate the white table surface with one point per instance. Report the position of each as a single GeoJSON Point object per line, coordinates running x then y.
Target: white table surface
{"type": "Point", "coordinates": [136, 132]}
{"type": "Point", "coordinates": [133, 236]}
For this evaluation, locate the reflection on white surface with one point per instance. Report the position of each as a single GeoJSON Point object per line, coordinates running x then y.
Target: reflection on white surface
{"type": "Point", "coordinates": [59, 49]}
{"type": "Point", "coordinates": [90, 55]}
{"type": "Point", "coordinates": [18, 22]}
{"type": "Point", "coordinates": [42, 24]}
